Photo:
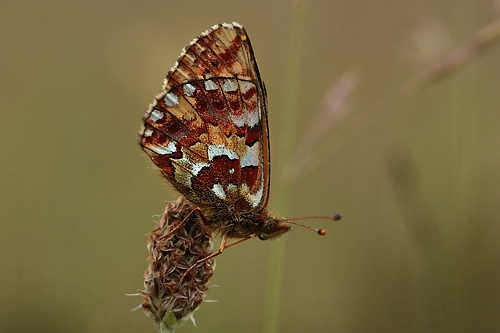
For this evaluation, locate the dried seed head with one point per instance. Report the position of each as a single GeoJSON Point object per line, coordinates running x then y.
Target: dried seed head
{"type": "Point", "coordinates": [168, 298]}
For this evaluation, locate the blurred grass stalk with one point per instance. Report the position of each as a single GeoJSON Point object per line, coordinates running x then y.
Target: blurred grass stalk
{"type": "Point", "coordinates": [485, 37]}
{"type": "Point", "coordinates": [285, 152]}
{"type": "Point", "coordinates": [443, 239]}
{"type": "Point", "coordinates": [291, 156]}
{"type": "Point", "coordinates": [335, 105]}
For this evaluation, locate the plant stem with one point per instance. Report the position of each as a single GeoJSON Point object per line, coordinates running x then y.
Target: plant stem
{"type": "Point", "coordinates": [285, 149]}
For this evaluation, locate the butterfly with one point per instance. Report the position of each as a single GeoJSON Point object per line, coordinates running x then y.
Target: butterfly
{"type": "Point", "coordinates": [207, 131]}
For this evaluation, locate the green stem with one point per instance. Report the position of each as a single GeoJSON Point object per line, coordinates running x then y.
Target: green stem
{"type": "Point", "coordinates": [285, 149]}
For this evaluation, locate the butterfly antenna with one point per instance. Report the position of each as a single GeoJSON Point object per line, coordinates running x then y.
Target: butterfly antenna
{"type": "Point", "coordinates": [321, 232]}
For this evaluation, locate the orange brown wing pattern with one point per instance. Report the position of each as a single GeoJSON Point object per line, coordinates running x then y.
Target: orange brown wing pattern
{"type": "Point", "coordinates": [207, 129]}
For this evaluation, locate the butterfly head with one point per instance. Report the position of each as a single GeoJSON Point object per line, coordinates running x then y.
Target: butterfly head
{"type": "Point", "coordinates": [273, 228]}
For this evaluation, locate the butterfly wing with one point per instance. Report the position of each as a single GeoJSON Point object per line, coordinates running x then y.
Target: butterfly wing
{"type": "Point", "coordinates": [207, 129]}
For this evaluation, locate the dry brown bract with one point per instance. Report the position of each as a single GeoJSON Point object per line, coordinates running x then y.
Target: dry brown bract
{"type": "Point", "coordinates": [168, 298]}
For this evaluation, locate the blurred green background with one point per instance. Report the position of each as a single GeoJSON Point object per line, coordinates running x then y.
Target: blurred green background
{"type": "Point", "coordinates": [415, 174]}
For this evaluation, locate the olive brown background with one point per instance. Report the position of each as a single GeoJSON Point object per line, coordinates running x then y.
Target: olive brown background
{"type": "Point", "coordinates": [414, 172]}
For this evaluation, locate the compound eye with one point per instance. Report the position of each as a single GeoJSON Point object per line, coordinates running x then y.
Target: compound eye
{"type": "Point", "coordinates": [262, 237]}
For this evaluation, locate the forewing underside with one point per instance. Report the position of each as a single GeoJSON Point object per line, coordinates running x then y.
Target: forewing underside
{"type": "Point", "coordinates": [207, 130]}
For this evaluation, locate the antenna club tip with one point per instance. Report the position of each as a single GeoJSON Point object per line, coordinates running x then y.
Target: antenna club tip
{"type": "Point", "coordinates": [337, 216]}
{"type": "Point", "coordinates": [322, 232]}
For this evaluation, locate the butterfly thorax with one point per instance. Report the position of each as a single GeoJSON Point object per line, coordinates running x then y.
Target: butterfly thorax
{"type": "Point", "coordinates": [262, 224]}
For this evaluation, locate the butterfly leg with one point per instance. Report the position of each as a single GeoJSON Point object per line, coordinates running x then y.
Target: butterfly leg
{"type": "Point", "coordinates": [222, 247]}
{"type": "Point", "coordinates": [237, 241]}
{"type": "Point", "coordinates": [188, 216]}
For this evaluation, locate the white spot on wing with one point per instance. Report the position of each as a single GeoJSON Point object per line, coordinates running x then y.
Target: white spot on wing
{"type": "Point", "coordinates": [229, 85]}
{"type": "Point", "coordinates": [189, 89]}
{"type": "Point", "coordinates": [194, 167]}
{"type": "Point", "coordinates": [214, 151]}
{"type": "Point", "coordinates": [185, 164]}
{"type": "Point", "coordinates": [164, 150]}
{"type": "Point", "coordinates": [252, 155]}
{"type": "Point", "coordinates": [253, 117]}
{"type": "Point", "coordinates": [253, 199]}
{"type": "Point", "coordinates": [245, 86]}
{"type": "Point", "coordinates": [156, 115]}
{"type": "Point", "coordinates": [219, 191]}
{"type": "Point", "coordinates": [238, 120]}
{"type": "Point", "coordinates": [148, 132]}
{"type": "Point", "coordinates": [257, 197]}
{"type": "Point", "coordinates": [210, 85]}
{"type": "Point", "coordinates": [231, 171]}
{"type": "Point", "coordinates": [171, 99]}
{"type": "Point", "coordinates": [197, 167]}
